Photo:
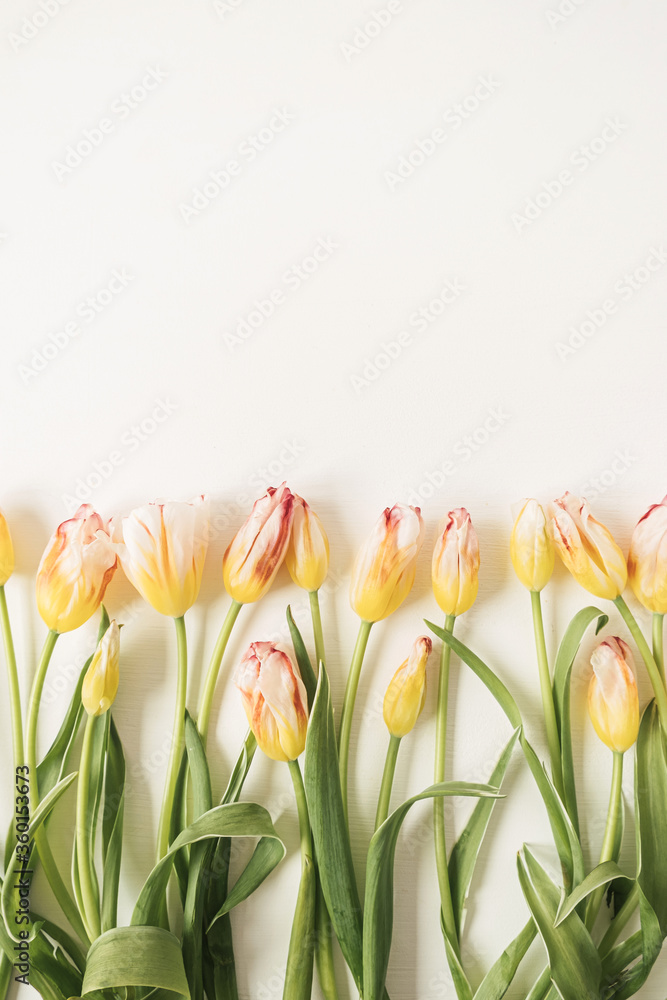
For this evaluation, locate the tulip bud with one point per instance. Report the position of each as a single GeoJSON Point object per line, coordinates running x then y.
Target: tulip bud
{"type": "Point", "coordinates": [531, 547]}
{"type": "Point", "coordinates": [274, 699]}
{"type": "Point", "coordinates": [162, 548]}
{"type": "Point", "coordinates": [455, 566]}
{"type": "Point", "coordinates": [74, 572]}
{"type": "Point", "coordinates": [647, 559]}
{"type": "Point", "coordinates": [587, 548]}
{"type": "Point", "coordinates": [406, 694]}
{"type": "Point", "coordinates": [254, 555]}
{"type": "Point", "coordinates": [613, 702]}
{"type": "Point", "coordinates": [100, 683]}
{"type": "Point", "coordinates": [6, 551]}
{"type": "Point", "coordinates": [384, 569]}
{"type": "Point", "coordinates": [307, 556]}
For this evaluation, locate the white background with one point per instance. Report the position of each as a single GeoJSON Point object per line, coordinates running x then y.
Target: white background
{"type": "Point", "coordinates": [319, 392]}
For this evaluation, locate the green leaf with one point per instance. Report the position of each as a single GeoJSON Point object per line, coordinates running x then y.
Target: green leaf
{"type": "Point", "coordinates": [112, 827]}
{"type": "Point", "coordinates": [136, 956]}
{"type": "Point", "coordinates": [36, 821]}
{"type": "Point", "coordinates": [379, 898]}
{"type": "Point", "coordinates": [464, 854]}
{"type": "Point", "coordinates": [651, 823]}
{"type": "Point", "coordinates": [330, 834]}
{"type": "Point", "coordinates": [193, 910]}
{"type": "Point", "coordinates": [308, 675]}
{"type": "Point", "coordinates": [241, 768]}
{"type": "Point", "coordinates": [219, 971]}
{"type": "Point", "coordinates": [499, 978]}
{"type": "Point", "coordinates": [565, 657]}
{"type": "Point", "coordinates": [565, 837]}
{"type": "Point", "coordinates": [69, 946]}
{"type": "Point", "coordinates": [238, 819]}
{"type": "Point", "coordinates": [573, 958]}
{"type": "Point", "coordinates": [600, 875]}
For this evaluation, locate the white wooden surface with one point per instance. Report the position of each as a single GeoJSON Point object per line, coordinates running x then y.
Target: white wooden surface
{"type": "Point", "coordinates": [535, 365]}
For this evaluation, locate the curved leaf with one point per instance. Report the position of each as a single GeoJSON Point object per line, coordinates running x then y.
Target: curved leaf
{"type": "Point", "coordinates": [330, 834]}
{"type": "Point", "coordinates": [112, 827]}
{"type": "Point", "coordinates": [464, 854]}
{"type": "Point", "coordinates": [573, 959]}
{"type": "Point", "coordinates": [565, 837]}
{"type": "Point", "coordinates": [499, 978]}
{"type": "Point", "coordinates": [601, 874]}
{"type": "Point", "coordinates": [136, 956]}
{"type": "Point", "coordinates": [308, 675]}
{"type": "Point", "coordinates": [238, 819]}
{"type": "Point", "coordinates": [379, 898]}
{"type": "Point", "coordinates": [193, 910]}
{"type": "Point", "coordinates": [565, 657]}
{"type": "Point", "coordinates": [37, 819]}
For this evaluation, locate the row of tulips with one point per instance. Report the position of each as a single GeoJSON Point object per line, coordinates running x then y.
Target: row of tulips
{"type": "Point", "coordinates": [161, 549]}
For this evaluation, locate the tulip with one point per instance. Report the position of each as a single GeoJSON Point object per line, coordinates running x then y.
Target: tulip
{"type": "Point", "coordinates": [531, 547]}
{"type": "Point", "coordinates": [613, 702]}
{"type": "Point", "coordinates": [384, 570]}
{"type": "Point", "coordinates": [6, 551]}
{"type": "Point", "coordinates": [406, 694]}
{"type": "Point", "coordinates": [613, 705]}
{"type": "Point", "coordinates": [588, 549]}
{"type": "Point", "coordinates": [647, 559]}
{"type": "Point", "coordinates": [162, 548]}
{"type": "Point", "coordinates": [254, 555]}
{"type": "Point", "coordinates": [74, 572]}
{"type": "Point", "coordinates": [274, 699]}
{"type": "Point", "coordinates": [100, 683]}
{"type": "Point", "coordinates": [455, 566]}
{"type": "Point", "coordinates": [307, 556]}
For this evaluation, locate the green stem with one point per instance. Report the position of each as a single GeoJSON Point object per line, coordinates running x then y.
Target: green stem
{"type": "Point", "coordinates": [546, 687]}
{"type": "Point", "coordinates": [658, 650]}
{"type": "Point", "coordinates": [60, 890]}
{"type": "Point", "coordinates": [317, 627]}
{"type": "Point", "coordinates": [299, 972]}
{"type": "Point", "coordinates": [176, 740]}
{"type": "Point", "coordinates": [609, 838]}
{"type": "Point", "coordinates": [448, 919]}
{"type": "Point", "coordinates": [651, 666]}
{"type": "Point", "coordinates": [214, 669]}
{"type": "Point", "coordinates": [13, 678]}
{"type": "Point", "coordinates": [619, 922]}
{"type": "Point", "coordinates": [91, 913]}
{"type": "Point", "coordinates": [324, 960]}
{"type": "Point", "coordinates": [348, 706]}
{"type": "Point", "coordinates": [387, 780]}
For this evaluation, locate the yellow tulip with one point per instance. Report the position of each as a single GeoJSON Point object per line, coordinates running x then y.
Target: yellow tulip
{"type": "Point", "coordinates": [587, 548]}
{"type": "Point", "coordinates": [384, 569]}
{"type": "Point", "coordinates": [613, 702]}
{"type": "Point", "coordinates": [6, 551]}
{"type": "Point", "coordinates": [100, 683]}
{"type": "Point", "coordinates": [162, 548]}
{"type": "Point", "coordinates": [256, 552]}
{"type": "Point", "coordinates": [307, 556]}
{"type": "Point", "coordinates": [531, 547]}
{"type": "Point", "coordinates": [74, 571]}
{"type": "Point", "coordinates": [455, 566]}
{"type": "Point", "coordinates": [406, 694]}
{"type": "Point", "coordinates": [274, 699]}
{"type": "Point", "coordinates": [647, 559]}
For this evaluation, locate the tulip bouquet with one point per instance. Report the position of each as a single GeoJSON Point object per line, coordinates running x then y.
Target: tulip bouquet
{"type": "Point", "coordinates": [179, 940]}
